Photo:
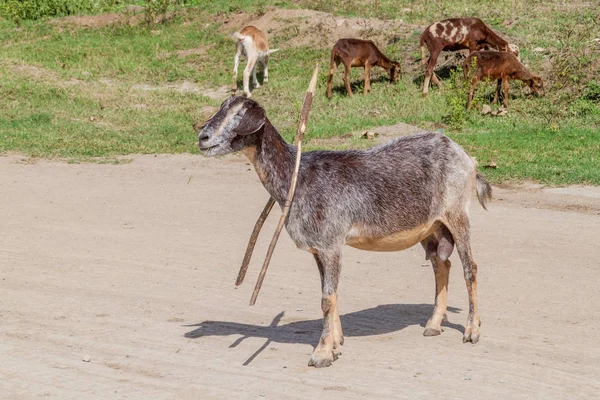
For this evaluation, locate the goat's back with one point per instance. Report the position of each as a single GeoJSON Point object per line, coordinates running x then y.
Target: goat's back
{"type": "Point", "coordinates": [351, 47]}
{"type": "Point", "coordinates": [398, 185]}
{"type": "Point", "coordinates": [493, 64]}
{"type": "Point", "coordinates": [455, 33]}
{"type": "Point", "coordinates": [258, 37]}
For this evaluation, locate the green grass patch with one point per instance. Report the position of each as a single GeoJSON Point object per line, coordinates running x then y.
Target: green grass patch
{"type": "Point", "coordinates": [96, 94]}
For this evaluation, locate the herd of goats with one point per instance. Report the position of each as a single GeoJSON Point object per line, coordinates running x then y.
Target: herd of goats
{"type": "Point", "coordinates": [413, 189]}
{"type": "Point", "coordinates": [448, 35]}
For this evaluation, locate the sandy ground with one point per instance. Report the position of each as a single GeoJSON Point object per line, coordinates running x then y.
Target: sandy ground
{"type": "Point", "coordinates": [116, 281]}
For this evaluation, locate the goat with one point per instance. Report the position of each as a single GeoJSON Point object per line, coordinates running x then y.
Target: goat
{"type": "Point", "coordinates": [252, 44]}
{"type": "Point", "coordinates": [456, 34]}
{"type": "Point", "coordinates": [503, 66]}
{"type": "Point", "coordinates": [359, 53]}
{"type": "Point", "coordinates": [413, 189]}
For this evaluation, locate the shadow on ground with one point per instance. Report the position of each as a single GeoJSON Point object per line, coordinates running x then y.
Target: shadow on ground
{"type": "Point", "coordinates": [378, 320]}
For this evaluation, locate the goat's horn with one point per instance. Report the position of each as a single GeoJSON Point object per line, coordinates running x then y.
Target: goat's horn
{"type": "Point", "coordinates": [252, 241]}
{"type": "Point", "coordinates": [288, 203]}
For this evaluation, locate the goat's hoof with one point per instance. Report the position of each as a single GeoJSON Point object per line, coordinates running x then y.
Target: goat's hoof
{"type": "Point", "coordinates": [431, 332]}
{"type": "Point", "coordinates": [248, 94]}
{"type": "Point", "coordinates": [425, 95]}
{"type": "Point", "coordinates": [256, 86]}
{"type": "Point", "coordinates": [323, 358]}
{"type": "Point", "coordinates": [471, 335]}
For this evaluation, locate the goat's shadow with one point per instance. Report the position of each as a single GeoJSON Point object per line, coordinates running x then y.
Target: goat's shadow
{"type": "Point", "coordinates": [378, 320]}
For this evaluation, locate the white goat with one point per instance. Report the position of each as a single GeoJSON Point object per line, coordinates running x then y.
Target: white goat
{"type": "Point", "coordinates": [252, 44]}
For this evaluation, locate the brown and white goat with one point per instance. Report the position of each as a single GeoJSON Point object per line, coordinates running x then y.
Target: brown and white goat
{"type": "Point", "coordinates": [359, 53]}
{"type": "Point", "coordinates": [456, 34]}
{"type": "Point", "coordinates": [503, 66]}
{"type": "Point", "coordinates": [252, 44]}
{"type": "Point", "coordinates": [414, 189]}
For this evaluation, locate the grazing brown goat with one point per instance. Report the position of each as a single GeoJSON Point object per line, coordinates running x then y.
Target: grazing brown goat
{"type": "Point", "coordinates": [503, 66]}
{"type": "Point", "coordinates": [457, 34]}
{"type": "Point", "coordinates": [359, 53]}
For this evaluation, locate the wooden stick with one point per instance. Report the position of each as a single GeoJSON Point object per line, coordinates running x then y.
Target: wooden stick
{"type": "Point", "coordinates": [256, 231]}
{"type": "Point", "coordinates": [252, 241]}
{"type": "Point", "coordinates": [288, 203]}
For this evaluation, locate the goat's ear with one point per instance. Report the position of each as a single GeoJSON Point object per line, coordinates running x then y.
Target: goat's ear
{"type": "Point", "coordinates": [252, 121]}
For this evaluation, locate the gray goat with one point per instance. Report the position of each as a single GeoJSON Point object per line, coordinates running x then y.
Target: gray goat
{"type": "Point", "coordinates": [413, 189]}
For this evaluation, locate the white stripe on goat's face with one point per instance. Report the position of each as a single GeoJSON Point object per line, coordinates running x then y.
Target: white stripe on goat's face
{"type": "Point", "coordinates": [217, 134]}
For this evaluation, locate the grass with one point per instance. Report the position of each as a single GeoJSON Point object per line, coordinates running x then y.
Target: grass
{"type": "Point", "coordinates": [79, 94]}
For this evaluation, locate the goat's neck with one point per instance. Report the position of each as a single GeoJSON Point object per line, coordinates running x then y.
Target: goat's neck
{"type": "Point", "coordinates": [273, 159]}
{"type": "Point", "coordinates": [385, 63]}
{"type": "Point", "coordinates": [495, 40]}
{"type": "Point", "coordinates": [524, 75]}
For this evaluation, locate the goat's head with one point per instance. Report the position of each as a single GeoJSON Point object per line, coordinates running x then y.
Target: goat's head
{"type": "Point", "coordinates": [395, 71]}
{"type": "Point", "coordinates": [536, 84]}
{"type": "Point", "coordinates": [230, 129]}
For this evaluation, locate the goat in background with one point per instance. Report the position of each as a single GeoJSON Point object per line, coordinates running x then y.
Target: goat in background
{"type": "Point", "coordinates": [456, 34]}
{"type": "Point", "coordinates": [503, 66]}
{"type": "Point", "coordinates": [252, 44]}
{"type": "Point", "coordinates": [359, 53]}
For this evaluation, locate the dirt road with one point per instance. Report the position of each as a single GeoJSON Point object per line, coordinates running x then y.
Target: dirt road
{"type": "Point", "coordinates": [116, 281]}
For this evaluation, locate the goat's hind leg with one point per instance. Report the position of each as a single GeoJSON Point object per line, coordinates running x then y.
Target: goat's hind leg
{"type": "Point", "coordinates": [460, 228]}
{"type": "Point", "coordinates": [347, 79]}
{"type": "Point", "coordinates": [334, 64]}
{"type": "Point", "coordinates": [438, 248]}
{"type": "Point", "coordinates": [332, 337]}
{"type": "Point", "coordinates": [433, 56]}
{"type": "Point", "coordinates": [236, 63]}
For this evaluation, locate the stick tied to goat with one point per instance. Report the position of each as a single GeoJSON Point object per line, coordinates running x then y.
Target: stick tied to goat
{"type": "Point", "coordinates": [264, 215]}
{"type": "Point", "coordinates": [252, 242]}
{"type": "Point", "coordinates": [288, 203]}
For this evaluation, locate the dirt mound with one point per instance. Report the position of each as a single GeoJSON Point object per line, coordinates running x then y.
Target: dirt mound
{"type": "Point", "coordinates": [98, 21]}
{"type": "Point", "coordinates": [314, 28]}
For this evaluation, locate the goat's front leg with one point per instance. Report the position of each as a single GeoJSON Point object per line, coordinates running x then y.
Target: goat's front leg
{"type": "Point", "coordinates": [505, 82]}
{"type": "Point", "coordinates": [441, 270]}
{"type": "Point", "coordinates": [332, 337]}
{"type": "Point", "coordinates": [495, 101]}
{"type": "Point", "coordinates": [367, 78]}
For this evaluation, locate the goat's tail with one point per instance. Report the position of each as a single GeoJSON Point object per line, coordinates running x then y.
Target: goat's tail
{"type": "Point", "coordinates": [484, 190]}
{"type": "Point", "coordinates": [273, 51]}
{"type": "Point", "coordinates": [423, 60]}
{"type": "Point", "coordinates": [238, 36]}
{"type": "Point", "coordinates": [423, 44]}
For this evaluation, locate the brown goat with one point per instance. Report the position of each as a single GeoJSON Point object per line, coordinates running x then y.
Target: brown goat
{"type": "Point", "coordinates": [457, 34]}
{"type": "Point", "coordinates": [359, 53]}
{"type": "Point", "coordinates": [503, 66]}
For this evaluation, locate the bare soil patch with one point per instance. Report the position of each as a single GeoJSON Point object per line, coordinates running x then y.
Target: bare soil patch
{"type": "Point", "coordinates": [97, 21]}
{"type": "Point", "coordinates": [126, 286]}
{"type": "Point", "coordinates": [298, 28]}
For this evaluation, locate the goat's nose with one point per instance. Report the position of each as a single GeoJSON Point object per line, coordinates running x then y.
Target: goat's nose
{"type": "Point", "coordinates": [202, 137]}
